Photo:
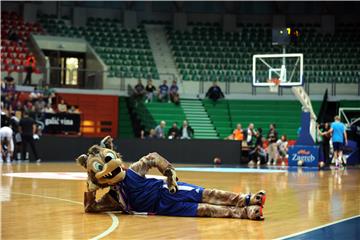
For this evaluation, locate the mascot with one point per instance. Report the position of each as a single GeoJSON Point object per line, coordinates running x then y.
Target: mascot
{"type": "Point", "coordinates": [131, 192]}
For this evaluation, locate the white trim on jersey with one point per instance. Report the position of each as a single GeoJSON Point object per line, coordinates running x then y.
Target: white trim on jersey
{"type": "Point", "coordinates": [185, 188]}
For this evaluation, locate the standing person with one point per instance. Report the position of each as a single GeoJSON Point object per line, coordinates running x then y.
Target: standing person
{"type": "Point", "coordinates": [325, 143]}
{"type": "Point", "coordinates": [150, 89]}
{"type": "Point", "coordinates": [27, 129]}
{"type": "Point", "coordinates": [339, 137]}
{"type": "Point", "coordinates": [30, 66]}
{"type": "Point", "coordinates": [214, 92]}
{"type": "Point", "coordinates": [250, 133]}
{"type": "Point", "coordinates": [272, 149]}
{"type": "Point", "coordinates": [174, 95]}
{"type": "Point", "coordinates": [163, 95]}
{"type": "Point", "coordinates": [258, 154]}
{"type": "Point", "coordinates": [186, 131]}
{"type": "Point", "coordinates": [7, 144]}
{"type": "Point", "coordinates": [160, 130]}
{"type": "Point", "coordinates": [173, 132]}
{"type": "Point", "coordinates": [282, 144]}
{"type": "Point", "coordinates": [139, 91]}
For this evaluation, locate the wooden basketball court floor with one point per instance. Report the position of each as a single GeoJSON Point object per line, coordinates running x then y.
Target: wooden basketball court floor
{"type": "Point", "coordinates": [33, 208]}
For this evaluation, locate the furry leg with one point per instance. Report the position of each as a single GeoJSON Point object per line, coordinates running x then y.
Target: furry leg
{"type": "Point", "coordinates": [219, 197]}
{"type": "Point", "coordinates": [250, 212]}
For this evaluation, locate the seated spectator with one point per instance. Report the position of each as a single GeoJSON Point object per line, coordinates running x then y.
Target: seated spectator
{"type": "Point", "coordinates": [73, 109]}
{"type": "Point", "coordinates": [173, 132]}
{"type": "Point", "coordinates": [186, 132]}
{"type": "Point", "coordinates": [151, 135]}
{"type": "Point", "coordinates": [282, 144]}
{"type": "Point", "coordinates": [237, 134]}
{"type": "Point", "coordinates": [9, 78]}
{"type": "Point", "coordinates": [48, 109]}
{"type": "Point", "coordinates": [62, 107]}
{"type": "Point", "coordinates": [160, 130]}
{"type": "Point", "coordinates": [149, 91]}
{"type": "Point", "coordinates": [214, 93]}
{"type": "Point", "coordinates": [13, 36]}
{"type": "Point", "coordinates": [174, 95]}
{"type": "Point", "coordinates": [139, 91]}
{"type": "Point", "coordinates": [163, 94]}
{"type": "Point", "coordinates": [39, 105]}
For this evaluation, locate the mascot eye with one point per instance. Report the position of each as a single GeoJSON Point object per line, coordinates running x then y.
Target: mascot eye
{"type": "Point", "coordinates": [98, 166]}
{"type": "Point", "coordinates": [109, 156]}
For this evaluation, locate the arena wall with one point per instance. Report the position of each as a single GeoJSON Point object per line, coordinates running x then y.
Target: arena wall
{"type": "Point", "coordinates": [56, 148]}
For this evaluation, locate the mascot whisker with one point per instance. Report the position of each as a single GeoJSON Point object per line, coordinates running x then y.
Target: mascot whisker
{"type": "Point", "coordinates": [130, 191]}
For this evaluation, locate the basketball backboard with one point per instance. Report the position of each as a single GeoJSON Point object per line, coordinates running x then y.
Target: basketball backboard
{"type": "Point", "coordinates": [283, 69]}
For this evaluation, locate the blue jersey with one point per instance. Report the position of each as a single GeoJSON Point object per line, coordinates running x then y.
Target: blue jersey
{"type": "Point", "coordinates": [152, 196]}
{"type": "Point", "coordinates": [338, 132]}
{"type": "Point", "coordinates": [163, 89]}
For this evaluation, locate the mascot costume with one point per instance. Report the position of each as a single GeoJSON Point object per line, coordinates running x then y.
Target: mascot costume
{"type": "Point", "coordinates": [131, 192]}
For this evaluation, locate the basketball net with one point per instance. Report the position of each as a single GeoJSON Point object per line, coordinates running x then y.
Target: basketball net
{"type": "Point", "coordinates": [274, 87]}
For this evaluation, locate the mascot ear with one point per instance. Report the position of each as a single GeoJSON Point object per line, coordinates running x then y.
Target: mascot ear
{"type": "Point", "coordinates": [94, 150]}
{"type": "Point", "coordinates": [82, 160]}
{"type": "Point", "coordinates": [107, 142]}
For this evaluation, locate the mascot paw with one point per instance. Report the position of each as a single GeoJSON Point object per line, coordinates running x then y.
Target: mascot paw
{"type": "Point", "coordinates": [255, 212]}
{"type": "Point", "coordinates": [173, 189]}
{"type": "Point", "coordinates": [258, 198]}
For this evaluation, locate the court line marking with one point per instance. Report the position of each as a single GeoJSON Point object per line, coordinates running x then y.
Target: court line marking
{"type": "Point", "coordinates": [115, 220]}
{"type": "Point", "coordinates": [318, 227]}
{"type": "Point", "coordinates": [229, 170]}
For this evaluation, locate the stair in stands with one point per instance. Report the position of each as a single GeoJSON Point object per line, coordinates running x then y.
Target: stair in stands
{"type": "Point", "coordinates": [161, 51]}
{"type": "Point", "coordinates": [198, 119]}
{"type": "Point", "coordinates": [125, 129]}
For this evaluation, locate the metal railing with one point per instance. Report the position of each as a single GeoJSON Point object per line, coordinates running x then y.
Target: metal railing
{"type": "Point", "coordinates": [94, 79]}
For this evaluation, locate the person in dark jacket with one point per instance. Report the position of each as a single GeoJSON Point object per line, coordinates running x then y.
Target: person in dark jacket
{"type": "Point", "coordinates": [214, 93]}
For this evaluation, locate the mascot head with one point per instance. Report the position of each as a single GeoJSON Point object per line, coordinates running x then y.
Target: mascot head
{"type": "Point", "coordinates": [104, 166]}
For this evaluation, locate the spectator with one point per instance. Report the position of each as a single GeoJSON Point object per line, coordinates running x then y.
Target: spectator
{"type": "Point", "coordinates": [152, 134]}
{"type": "Point", "coordinates": [139, 91]}
{"type": "Point", "coordinates": [250, 133]}
{"type": "Point", "coordinates": [258, 154]}
{"type": "Point", "coordinates": [186, 131]}
{"type": "Point", "coordinates": [7, 143]}
{"type": "Point", "coordinates": [339, 137]}
{"type": "Point", "coordinates": [174, 95]}
{"type": "Point", "coordinates": [149, 91]}
{"type": "Point", "coordinates": [49, 94]}
{"type": "Point", "coordinates": [238, 134]}
{"type": "Point", "coordinates": [13, 36]}
{"type": "Point", "coordinates": [272, 149]}
{"type": "Point", "coordinates": [325, 142]}
{"type": "Point", "coordinates": [9, 78]}
{"type": "Point", "coordinates": [282, 145]}
{"type": "Point", "coordinates": [72, 109]}
{"type": "Point", "coordinates": [27, 131]}
{"type": "Point", "coordinates": [62, 107]}
{"type": "Point", "coordinates": [48, 109]}
{"type": "Point", "coordinates": [163, 94]}
{"type": "Point", "coordinates": [214, 93]}
{"type": "Point", "coordinates": [39, 105]}
{"type": "Point", "coordinates": [173, 132]}
{"type": "Point", "coordinates": [160, 130]}
{"type": "Point", "coordinates": [30, 67]}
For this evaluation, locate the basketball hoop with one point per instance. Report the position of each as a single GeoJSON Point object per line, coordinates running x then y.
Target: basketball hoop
{"type": "Point", "coordinates": [274, 85]}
